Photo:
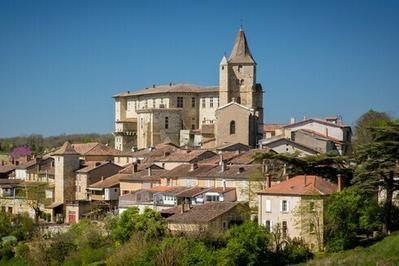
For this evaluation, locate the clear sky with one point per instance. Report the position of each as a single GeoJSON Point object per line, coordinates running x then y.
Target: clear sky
{"type": "Point", "coordinates": [61, 61]}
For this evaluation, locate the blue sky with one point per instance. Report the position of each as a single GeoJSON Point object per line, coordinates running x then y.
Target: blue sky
{"type": "Point", "coordinates": [61, 61]}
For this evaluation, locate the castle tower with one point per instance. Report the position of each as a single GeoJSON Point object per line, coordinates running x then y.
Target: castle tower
{"type": "Point", "coordinates": [237, 79]}
{"type": "Point", "coordinates": [66, 162]}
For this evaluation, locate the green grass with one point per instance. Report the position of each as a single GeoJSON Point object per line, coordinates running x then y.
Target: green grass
{"type": "Point", "coordinates": [385, 252]}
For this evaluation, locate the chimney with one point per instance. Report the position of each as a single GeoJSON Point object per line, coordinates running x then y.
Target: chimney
{"type": "Point", "coordinates": [340, 182]}
{"type": "Point", "coordinates": [170, 84]}
{"type": "Point", "coordinates": [153, 85]}
{"type": "Point", "coordinates": [222, 166]}
{"type": "Point", "coordinates": [268, 181]}
{"type": "Point", "coordinates": [135, 167]}
{"type": "Point", "coordinates": [102, 178]}
{"type": "Point", "coordinates": [149, 171]}
{"type": "Point", "coordinates": [326, 132]}
{"type": "Point", "coordinates": [194, 166]}
{"type": "Point", "coordinates": [292, 120]}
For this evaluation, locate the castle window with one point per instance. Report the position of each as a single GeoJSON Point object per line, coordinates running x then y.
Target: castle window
{"type": "Point", "coordinates": [239, 68]}
{"type": "Point", "coordinates": [203, 103]}
{"type": "Point", "coordinates": [232, 127]}
{"type": "Point", "coordinates": [179, 102]}
{"type": "Point", "coordinates": [211, 102]}
{"type": "Point", "coordinates": [193, 102]}
{"type": "Point", "coordinates": [222, 67]}
{"type": "Point", "coordinates": [166, 122]}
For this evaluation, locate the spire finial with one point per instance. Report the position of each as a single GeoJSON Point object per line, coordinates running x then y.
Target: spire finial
{"type": "Point", "coordinates": [241, 27]}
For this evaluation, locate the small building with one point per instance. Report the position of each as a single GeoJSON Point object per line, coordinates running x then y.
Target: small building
{"type": "Point", "coordinates": [285, 145]}
{"type": "Point", "coordinates": [211, 217]}
{"type": "Point", "coordinates": [296, 207]}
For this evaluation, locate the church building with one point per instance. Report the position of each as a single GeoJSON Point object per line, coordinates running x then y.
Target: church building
{"type": "Point", "coordinates": [186, 114]}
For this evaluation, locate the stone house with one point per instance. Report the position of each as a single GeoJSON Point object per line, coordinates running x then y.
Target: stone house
{"type": "Point", "coordinates": [296, 207]}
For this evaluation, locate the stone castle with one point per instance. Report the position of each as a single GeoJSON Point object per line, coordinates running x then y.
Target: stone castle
{"type": "Point", "coordinates": [186, 114]}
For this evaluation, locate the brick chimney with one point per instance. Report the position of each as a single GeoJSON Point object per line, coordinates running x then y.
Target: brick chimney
{"type": "Point", "coordinates": [268, 181]}
{"type": "Point", "coordinates": [340, 182]}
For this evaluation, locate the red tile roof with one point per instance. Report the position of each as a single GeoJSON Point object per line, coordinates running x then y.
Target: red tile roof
{"type": "Point", "coordinates": [302, 185]}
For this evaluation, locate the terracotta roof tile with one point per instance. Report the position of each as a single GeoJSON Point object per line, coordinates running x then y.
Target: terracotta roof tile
{"type": "Point", "coordinates": [66, 148]}
{"type": "Point", "coordinates": [302, 185]}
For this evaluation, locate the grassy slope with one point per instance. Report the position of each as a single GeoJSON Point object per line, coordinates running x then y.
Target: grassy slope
{"type": "Point", "coordinates": [385, 252]}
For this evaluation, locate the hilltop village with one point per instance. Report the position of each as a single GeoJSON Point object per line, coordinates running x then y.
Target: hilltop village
{"type": "Point", "coordinates": [197, 155]}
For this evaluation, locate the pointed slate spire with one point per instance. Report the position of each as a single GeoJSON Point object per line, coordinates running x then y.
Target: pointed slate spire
{"type": "Point", "coordinates": [241, 52]}
{"type": "Point", "coordinates": [66, 148]}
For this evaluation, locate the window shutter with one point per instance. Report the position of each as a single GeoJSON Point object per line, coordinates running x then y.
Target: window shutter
{"type": "Point", "coordinates": [271, 226]}
{"type": "Point", "coordinates": [281, 205]}
{"type": "Point", "coordinates": [268, 206]}
{"type": "Point", "coordinates": [288, 205]}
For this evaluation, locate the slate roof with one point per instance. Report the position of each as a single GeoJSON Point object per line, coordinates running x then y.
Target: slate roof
{"type": "Point", "coordinates": [202, 213]}
{"type": "Point", "coordinates": [302, 185]}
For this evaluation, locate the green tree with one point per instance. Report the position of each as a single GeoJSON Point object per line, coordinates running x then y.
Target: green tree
{"type": "Point", "coordinates": [368, 120]}
{"type": "Point", "coordinates": [150, 224]}
{"type": "Point", "coordinates": [327, 165]}
{"type": "Point", "coordinates": [378, 166]}
{"type": "Point", "coordinates": [35, 196]}
{"type": "Point", "coordinates": [247, 245]}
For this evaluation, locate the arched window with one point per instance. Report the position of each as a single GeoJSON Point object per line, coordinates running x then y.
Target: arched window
{"type": "Point", "coordinates": [232, 127]}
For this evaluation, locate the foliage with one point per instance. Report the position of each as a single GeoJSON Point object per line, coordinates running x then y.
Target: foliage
{"type": "Point", "coordinates": [20, 151]}
{"type": "Point", "coordinates": [247, 245]}
{"type": "Point", "coordinates": [20, 226]}
{"type": "Point", "coordinates": [384, 252]}
{"type": "Point", "coordinates": [327, 165]}
{"type": "Point", "coordinates": [348, 213]}
{"type": "Point", "coordinates": [370, 119]}
{"type": "Point", "coordinates": [295, 251]}
{"type": "Point", "coordinates": [150, 224]}
{"type": "Point", "coordinates": [39, 144]}
{"type": "Point", "coordinates": [378, 166]}
{"type": "Point", "coordinates": [35, 196]}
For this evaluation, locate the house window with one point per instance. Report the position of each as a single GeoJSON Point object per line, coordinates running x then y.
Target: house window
{"type": "Point", "coordinates": [166, 122]}
{"type": "Point", "coordinates": [179, 102]}
{"type": "Point", "coordinates": [212, 198]}
{"type": "Point", "coordinates": [203, 103]}
{"type": "Point", "coordinates": [153, 103]}
{"type": "Point", "coordinates": [211, 102]}
{"type": "Point", "coordinates": [268, 206]}
{"type": "Point", "coordinates": [232, 127]}
{"type": "Point", "coordinates": [284, 206]}
{"type": "Point", "coordinates": [141, 122]}
{"type": "Point", "coordinates": [284, 229]}
{"type": "Point", "coordinates": [311, 206]}
{"type": "Point", "coordinates": [268, 225]}
{"type": "Point", "coordinates": [193, 102]}
{"type": "Point", "coordinates": [146, 104]}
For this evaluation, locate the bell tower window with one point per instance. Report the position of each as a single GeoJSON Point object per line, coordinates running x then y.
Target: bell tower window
{"type": "Point", "coordinates": [232, 127]}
